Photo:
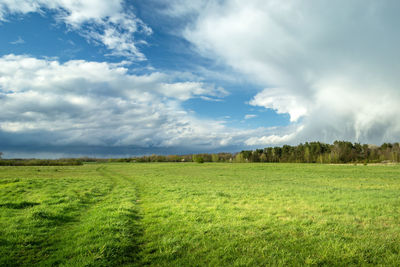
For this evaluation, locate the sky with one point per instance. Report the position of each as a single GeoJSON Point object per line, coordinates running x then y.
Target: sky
{"type": "Point", "coordinates": [114, 78]}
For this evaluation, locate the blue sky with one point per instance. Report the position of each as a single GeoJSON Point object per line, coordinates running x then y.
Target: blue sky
{"type": "Point", "coordinates": [121, 78]}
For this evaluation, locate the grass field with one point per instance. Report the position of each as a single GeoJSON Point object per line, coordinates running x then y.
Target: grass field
{"type": "Point", "coordinates": [187, 214]}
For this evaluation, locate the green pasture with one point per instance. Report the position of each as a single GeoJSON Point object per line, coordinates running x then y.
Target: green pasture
{"type": "Point", "coordinates": [189, 214]}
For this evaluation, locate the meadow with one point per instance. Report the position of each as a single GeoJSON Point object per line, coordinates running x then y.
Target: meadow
{"type": "Point", "coordinates": [189, 214]}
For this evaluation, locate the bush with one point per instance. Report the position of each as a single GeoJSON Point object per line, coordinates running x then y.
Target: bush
{"type": "Point", "coordinates": [199, 160]}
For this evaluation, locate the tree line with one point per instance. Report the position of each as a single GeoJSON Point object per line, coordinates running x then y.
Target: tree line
{"type": "Point", "coordinates": [309, 152]}
{"type": "Point", "coordinates": [312, 152]}
{"type": "Point", "coordinates": [40, 162]}
{"type": "Point", "coordinates": [317, 152]}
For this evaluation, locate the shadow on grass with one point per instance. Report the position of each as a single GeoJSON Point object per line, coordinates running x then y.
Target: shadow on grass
{"type": "Point", "coordinates": [52, 219]}
{"type": "Point", "coordinates": [19, 205]}
{"type": "Point", "coordinates": [136, 232]}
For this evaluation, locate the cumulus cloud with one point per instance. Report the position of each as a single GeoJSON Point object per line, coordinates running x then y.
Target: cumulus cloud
{"type": "Point", "coordinates": [108, 22]}
{"type": "Point", "coordinates": [47, 103]}
{"type": "Point", "coordinates": [331, 65]}
{"type": "Point", "coordinates": [272, 138]}
{"type": "Point", "coordinates": [282, 103]}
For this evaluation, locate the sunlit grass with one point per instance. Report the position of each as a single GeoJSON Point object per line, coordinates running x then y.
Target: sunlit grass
{"type": "Point", "coordinates": [185, 214]}
{"type": "Point", "coordinates": [257, 214]}
{"type": "Point", "coordinates": [66, 215]}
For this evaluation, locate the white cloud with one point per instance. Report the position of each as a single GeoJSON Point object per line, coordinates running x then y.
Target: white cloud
{"type": "Point", "coordinates": [331, 65]}
{"type": "Point", "coordinates": [108, 22]}
{"type": "Point", "coordinates": [18, 41]}
{"type": "Point", "coordinates": [249, 116]}
{"type": "Point", "coordinates": [273, 139]}
{"type": "Point", "coordinates": [179, 8]}
{"type": "Point", "coordinates": [279, 101]}
{"type": "Point", "coordinates": [101, 104]}
{"type": "Point", "coordinates": [186, 90]}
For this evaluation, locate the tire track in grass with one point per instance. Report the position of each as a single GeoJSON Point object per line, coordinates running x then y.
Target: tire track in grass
{"type": "Point", "coordinates": [44, 224]}
{"type": "Point", "coordinates": [107, 232]}
{"type": "Point", "coordinates": [128, 198]}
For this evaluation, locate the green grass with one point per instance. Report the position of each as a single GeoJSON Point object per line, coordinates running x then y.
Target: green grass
{"type": "Point", "coordinates": [188, 214]}
{"type": "Point", "coordinates": [66, 215]}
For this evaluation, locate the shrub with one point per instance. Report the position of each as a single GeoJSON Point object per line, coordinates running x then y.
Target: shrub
{"type": "Point", "coordinates": [199, 160]}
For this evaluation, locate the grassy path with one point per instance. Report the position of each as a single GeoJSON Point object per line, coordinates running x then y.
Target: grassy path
{"type": "Point", "coordinates": [107, 231]}
{"type": "Point", "coordinates": [93, 225]}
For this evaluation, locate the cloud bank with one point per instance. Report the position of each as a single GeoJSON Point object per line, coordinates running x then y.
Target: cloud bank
{"type": "Point", "coordinates": [82, 103]}
{"type": "Point", "coordinates": [331, 65]}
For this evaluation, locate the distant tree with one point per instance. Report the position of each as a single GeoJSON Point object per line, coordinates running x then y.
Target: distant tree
{"type": "Point", "coordinates": [239, 158]}
{"type": "Point", "coordinates": [255, 156]}
{"type": "Point", "coordinates": [214, 158]}
{"type": "Point", "coordinates": [247, 154]}
{"type": "Point", "coordinates": [307, 156]}
{"type": "Point", "coordinates": [269, 154]}
{"type": "Point", "coordinates": [225, 157]}
{"type": "Point", "coordinates": [1, 154]}
{"type": "Point", "coordinates": [285, 154]}
{"type": "Point", "coordinates": [277, 151]}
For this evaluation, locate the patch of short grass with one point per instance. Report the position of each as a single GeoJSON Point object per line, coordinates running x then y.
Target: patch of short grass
{"type": "Point", "coordinates": [262, 214]}
{"type": "Point", "coordinates": [66, 216]}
